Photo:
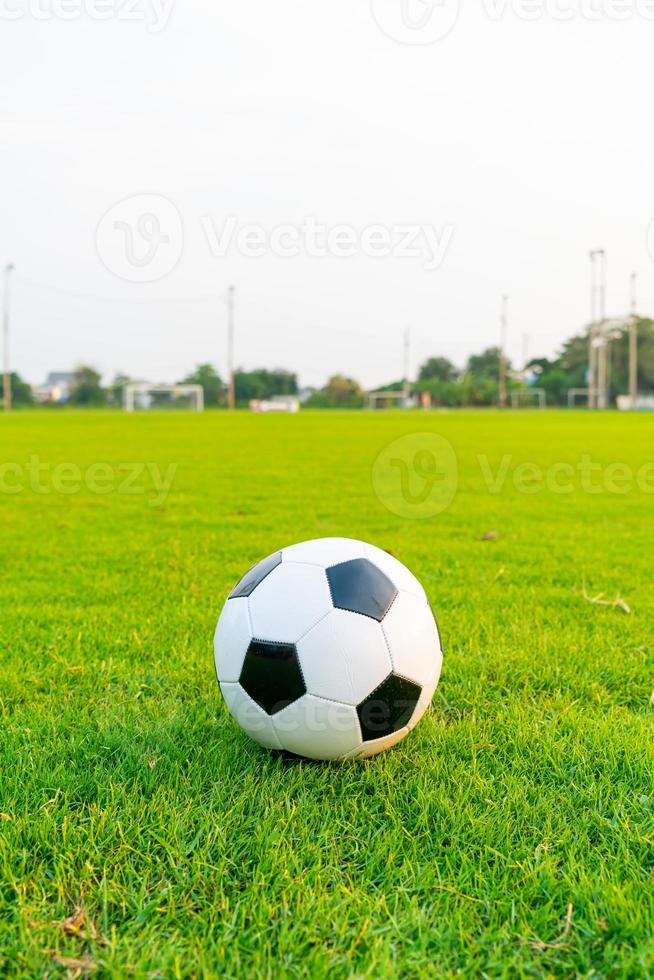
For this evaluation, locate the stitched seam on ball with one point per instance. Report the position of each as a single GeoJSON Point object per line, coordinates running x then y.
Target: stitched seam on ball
{"type": "Point", "coordinates": [388, 647]}
{"type": "Point", "coordinates": [311, 628]}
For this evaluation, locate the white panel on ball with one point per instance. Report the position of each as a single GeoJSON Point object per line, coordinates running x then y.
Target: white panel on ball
{"type": "Point", "coordinates": [232, 639]}
{"type": "Point", "coordinates": [344, 657]}
{"type": "Point", "coordinates": [412, 636]}
{"type": "Point", "coordinates": [369, 749]}
{"type": "Point", "coordinates": [289, 602]}
{"type": "Point", "coordinates": [398, 573]}
{"type": "Point", "coordinates": [252, 719]}
{"type": "Point", "coordinates": [318, 729]}
{"type": "Point", "coordinates": [325, 551]}
{"type": "Point", "coordinates": [426, 697]}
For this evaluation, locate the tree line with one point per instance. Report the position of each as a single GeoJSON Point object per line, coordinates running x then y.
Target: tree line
{"type": "Point", "coordinates": [445, 384]}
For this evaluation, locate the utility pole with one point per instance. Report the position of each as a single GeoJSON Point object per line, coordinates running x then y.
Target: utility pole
{"type": "Point", "coordinates": [603, 349]}
{"type": "Point", "coordinates": [230, 348]}
{"type": "Point", "coordinates": [504, 327]}
{"type": "Point", "coordinates": [6, 370]}
{"type": "Point", "coordinates": [633, 344]}
{"type": "Point", "coordinates": [407, 360]}
{"type": "Point", "coordinates": [596, 341]}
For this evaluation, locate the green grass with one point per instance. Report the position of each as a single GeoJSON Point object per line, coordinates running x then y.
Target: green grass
{"type": "Point", "coordinates": [512, 834]}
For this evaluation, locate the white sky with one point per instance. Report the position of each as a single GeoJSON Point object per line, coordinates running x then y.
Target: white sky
{"type": "Point", "coordinates": [532, 139]}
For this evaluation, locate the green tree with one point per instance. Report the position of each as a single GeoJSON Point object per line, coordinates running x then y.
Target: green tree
{"type": "Point", "coordinates": [262, 384]}
{"type": "Point", "coordinates": [339, 392]}
{"type": "Point", "coordinates": [210, 381]}
{"type": "Point", "coordinates": [438, 369]}
{"type": "Point", "coordinates": [21, 392]}
{"type": "Point", "coordinates": [569, 369]}
{"type": "Point", "coordinates": [448, 394]}
{"type": "Point", "coordinates": [392, 386]}
{"type": "Point", "coordinates": [117, 388]}
{"type": "Point", "coordinates": [485, 366]}
{"type": "Point", "coordinates": [87, 389]}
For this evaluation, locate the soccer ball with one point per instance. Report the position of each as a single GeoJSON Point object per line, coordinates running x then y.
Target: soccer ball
{"type": "Point", "coordinates": [329, 650]}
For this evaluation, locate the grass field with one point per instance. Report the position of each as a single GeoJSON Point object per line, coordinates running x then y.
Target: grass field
{"type": "Point", "coordinates": [512, 834]}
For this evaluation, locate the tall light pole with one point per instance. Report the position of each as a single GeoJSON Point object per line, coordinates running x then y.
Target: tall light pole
{"type": "Point", "coordinates": [503, 333]}
{"type": "Point", "coordinates": [407, 360]}
{"type": "Point", "coordinates": [633, 345]}
{"type": "Point", "coordinates": [230, 347]}
{"type": "Point", "coordinates": [6, 371]}
{"type": "Point", "coordinates": [603, 349]}
{"type": "Point", "coordinates": [596, 342]}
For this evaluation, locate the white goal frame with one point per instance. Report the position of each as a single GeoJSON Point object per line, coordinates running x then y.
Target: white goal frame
{"type": "Point", "coordinates": [142, 388]}
{"type": "Point", "coordinates": [539, 392]}
{"type": "Point", "coordinates": [575, 393]}
{"type": "Point", "coordinates": [373, 397]}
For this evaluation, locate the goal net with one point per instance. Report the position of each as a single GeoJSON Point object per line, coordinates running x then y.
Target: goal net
{"type": "Point", "coordinates": [143, 397]}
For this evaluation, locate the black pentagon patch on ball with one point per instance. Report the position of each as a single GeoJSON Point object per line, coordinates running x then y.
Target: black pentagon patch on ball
{"type": "Point", "coordinates": [271, 675]}
{"type": "Point", "coordinates": [389, 708]}
{"type": "Point", "coordinates": [360, 587]}
{"type": "Point", "coordinates": [255, 576]}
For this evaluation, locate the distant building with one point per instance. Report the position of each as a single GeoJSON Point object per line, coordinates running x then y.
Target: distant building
{"type": "Point", "coordinates": [644, 403]}
{"type": "Point", "coordinates": [57, 388]}
{"type": "Point", "coordinates": [278, 403]}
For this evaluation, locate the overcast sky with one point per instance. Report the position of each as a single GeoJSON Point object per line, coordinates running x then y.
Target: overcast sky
{"type": "Point", "coordinates": [353, 167]}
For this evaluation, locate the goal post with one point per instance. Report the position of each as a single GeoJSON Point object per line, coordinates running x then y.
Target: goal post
{"type": "Point", "coordinates": [519, 396]}
{"type": "Point", "coordinates": [575, 393]}
{"type": "Point", "coordinates": [143, 396]}
{"type": "Point", "coordinates": [398, 399]}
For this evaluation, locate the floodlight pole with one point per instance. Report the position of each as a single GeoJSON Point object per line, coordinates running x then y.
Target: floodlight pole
{"type": "Point", "coordinates": [230, 348]}
{"type": "Point", "coordinates": [596, 342]}
{"type": "Point", "coordinates": [6, 370]}
{"type": "Point", "coordinates": [633, 345]}
{"type": "Point", "coordinates": [407, 359]}
{"type": "Point", "coordinates": [504, 326]}
{"type": "Point", "coordinates": [603, 349]}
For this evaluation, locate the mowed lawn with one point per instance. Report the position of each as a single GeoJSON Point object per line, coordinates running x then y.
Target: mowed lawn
{"type": "Point", "coordinates": [512, 834]}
